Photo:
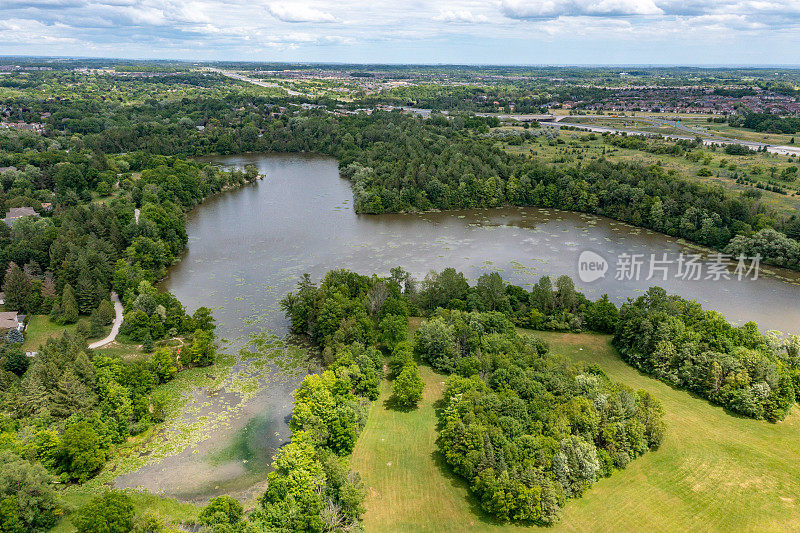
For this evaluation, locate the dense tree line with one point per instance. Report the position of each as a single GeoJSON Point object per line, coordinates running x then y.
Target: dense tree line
{"type": "Point", "coordinates": [311, 487]}
{"type": "Point", "coordinates": [66, 411]}
{"type": "Point", "coordinates": [525, 427]}
{"type": "Point", "coordinates": [698, 350]}
{"type": "Point", "coordinates": [766, 122]}
{"type": "Point", "coordinates": [547, 306]}
{"type": "Point", "coordinates": [70, 406]}
{"type": "Point", "coordinates": [782, 250]}
{"type": "Point", "coordinates": [740, 368]}
{"type": "Point", "coordinates": [529, 430]}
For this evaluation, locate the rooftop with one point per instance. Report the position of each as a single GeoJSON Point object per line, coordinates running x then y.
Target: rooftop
{"type": "Point", "coordinates": [9, 320]}
{"type": "Point", "coordinates": [18, 212]}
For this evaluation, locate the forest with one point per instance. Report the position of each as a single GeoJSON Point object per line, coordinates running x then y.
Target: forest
{"type": "Point", "coordinates": [766, 122]}
{"type": "Point", "coordinates": [745, 371]}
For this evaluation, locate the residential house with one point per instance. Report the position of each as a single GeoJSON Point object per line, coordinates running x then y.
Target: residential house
{"type": "Point", "coordinates": [11, 320]}
{"type": "Point", "coordinates": [15, 213]}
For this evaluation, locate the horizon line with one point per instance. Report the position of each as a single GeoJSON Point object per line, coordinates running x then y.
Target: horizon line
{"type": "Point", "coordinates": [412, 64]}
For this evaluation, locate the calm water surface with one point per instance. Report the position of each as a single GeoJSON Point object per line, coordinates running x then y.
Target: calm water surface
{"type": "Point", "coordinates": [248, 247]}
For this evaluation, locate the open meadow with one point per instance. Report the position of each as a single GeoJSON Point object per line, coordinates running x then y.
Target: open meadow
{"type": "Point", "coordinates": [714, 471]}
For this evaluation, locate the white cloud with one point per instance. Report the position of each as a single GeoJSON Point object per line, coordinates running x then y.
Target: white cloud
{"type": "Point", "coordinates": [294, 12]}
{"type": "Point", "coordinates": [460, 16]}
{"type": "Point", "coordinates": [548, 9]}
{"type": "Point", "coordinates": [25, 31]}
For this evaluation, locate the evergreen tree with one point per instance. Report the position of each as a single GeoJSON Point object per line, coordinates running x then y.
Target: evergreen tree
{"type": "Point", "coordinates": [96, 327]}
{"type": "Point", "coordinates": [69, 306]}
{"type": "Point", "coordinates": [71, 396]}
{"type": "Point", "coordinates": [17, 286]}
{"type": "Point", "coordinates": [15, 336]}
{"type": "Point", "coordinates": [106, 312]}
{"type": "Point", "coordinates": [13, 359]}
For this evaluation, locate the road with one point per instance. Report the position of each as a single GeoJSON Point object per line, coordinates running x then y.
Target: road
{"type": "Point", "coordinates": [254, 81]}
{"type": "Point", "coordinates": [114, 327]}
{"type": "Point", "coordinates": [707, 138]}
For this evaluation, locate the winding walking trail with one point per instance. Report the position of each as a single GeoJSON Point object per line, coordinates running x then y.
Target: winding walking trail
{"type": "Point", "coordinates": [115, 327]}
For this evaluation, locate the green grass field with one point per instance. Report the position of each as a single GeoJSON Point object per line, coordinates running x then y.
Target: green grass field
{"type": "Point", "coordinates": [714, 471]}
{"type": "Point", "coordinates": [40, 328]}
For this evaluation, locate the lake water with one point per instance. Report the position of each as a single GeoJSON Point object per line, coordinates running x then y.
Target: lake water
{"type": "Point", "coordinates": [248, 247]}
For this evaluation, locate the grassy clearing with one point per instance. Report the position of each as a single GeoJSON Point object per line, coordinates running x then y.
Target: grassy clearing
{"type": "Point", "coordinates": [40, 328]}
{"type": "Point", "coordinates": [409, 488]}
{"type": "Point", "coordinates": [173, 512]}
{"type": "Point", "coordinates": [627, 124]}
{"type": "Point", "coordinates": [714, 471]}
{"type": "Point", "coordinates": [740, 133]}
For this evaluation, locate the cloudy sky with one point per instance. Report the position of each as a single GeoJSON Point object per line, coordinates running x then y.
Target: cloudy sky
{"type": "Point", "coordinates": [416, 31]}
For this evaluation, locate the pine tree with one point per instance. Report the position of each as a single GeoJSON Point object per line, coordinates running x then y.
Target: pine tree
{"type": "Point", "coordinates": [86, 292]}
{"type": "Point", "coordinates": [71, 396]}
{"type": "Point", "coordinates": [17, 287]}
{"type": "Point", "coordinates": [14, 335]}
{"type": "Point", "coordinates": [69, 307]}
{"type": "Point", "coordinates": [106, 312]}
{"type": "Point", "coordinates": [96, 326]}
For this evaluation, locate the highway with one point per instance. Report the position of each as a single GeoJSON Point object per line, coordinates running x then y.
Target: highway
{"type": "Point", "coordinates": [254, 81]}
{"type": "Point", "coordinates": [707, 138]}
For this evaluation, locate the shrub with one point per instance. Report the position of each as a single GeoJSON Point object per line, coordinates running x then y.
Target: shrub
{"type": "Point", "coordinates": [110, 513]}
{"type": "Point", "coordinates": [221, 510]}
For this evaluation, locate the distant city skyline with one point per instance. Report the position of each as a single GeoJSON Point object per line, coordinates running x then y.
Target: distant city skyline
{"type": "Point", "coordinates": [502, 32]}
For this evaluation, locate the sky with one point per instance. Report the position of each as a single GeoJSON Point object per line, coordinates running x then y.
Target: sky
{"type": "Point", "coordinates": [663, 32]}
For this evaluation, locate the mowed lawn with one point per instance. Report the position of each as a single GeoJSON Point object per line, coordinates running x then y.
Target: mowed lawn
{"type": "Point", "coordinates": [40, 328]}
{"type": "Point", "coordinates": [714, 471]}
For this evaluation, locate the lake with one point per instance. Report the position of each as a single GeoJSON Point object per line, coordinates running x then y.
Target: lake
{"type": "Point", "coordinates": [248, 248]}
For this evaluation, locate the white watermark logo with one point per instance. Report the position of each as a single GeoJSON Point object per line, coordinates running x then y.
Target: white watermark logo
{"type": "Point", "coordinates": [591, 266]}
{"type": "Point", "coordinates": [660, 267]}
